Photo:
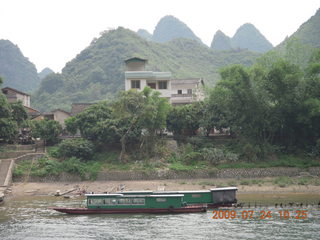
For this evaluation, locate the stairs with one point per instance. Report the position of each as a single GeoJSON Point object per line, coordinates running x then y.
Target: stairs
{"type": "Point", "coordinates": [5, 165]}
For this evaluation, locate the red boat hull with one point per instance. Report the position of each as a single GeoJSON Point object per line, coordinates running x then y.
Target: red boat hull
{"type": "Point", "coordinates": [187, 209]}
{"type": "Point", "coordinates": [212, 205]}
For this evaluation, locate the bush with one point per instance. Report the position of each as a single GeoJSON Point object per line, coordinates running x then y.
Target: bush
{"type": "Point", "coordinates": [79, 148]}
{"type": "Point", "coordinates": [250, 152]}
{"type": "Point", "coordinates": [216, 155]}
{"type": "Point", "coordinates": [283, 181]}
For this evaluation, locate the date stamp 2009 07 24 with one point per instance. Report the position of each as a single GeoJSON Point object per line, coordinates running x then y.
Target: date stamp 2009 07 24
{"type": "Point", "coordinates": [262, 214]}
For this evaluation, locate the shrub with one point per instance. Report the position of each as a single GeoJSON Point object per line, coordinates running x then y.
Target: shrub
{"type": "Point", "coordinates": [216, 155]}
{"type": "Point", "coordinates": [283, 181]}
{"type": "Point", "coordinates": [79, 148]}
{"type": "Point", "coordinates": [250, 152]}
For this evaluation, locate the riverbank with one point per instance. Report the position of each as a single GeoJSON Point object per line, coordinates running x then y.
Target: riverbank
{"type": "Point", "coordinates": [265, 186]}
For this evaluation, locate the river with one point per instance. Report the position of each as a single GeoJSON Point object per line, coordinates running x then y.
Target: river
{"type": "Point", "coordinates": [30, 218]}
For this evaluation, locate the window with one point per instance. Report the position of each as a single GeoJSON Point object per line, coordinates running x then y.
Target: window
{"type": "Point", "coordinates": [138, 201]}
{"type": "Point", "coordinates": [162, 84]}
{"type": "Point", "coordinates": [161, 199]}
{"type": "Point", "coordinates": [189, 91]}
{"type": "Point", "coordinates": [179, 91]}
{"type": "Point", "coordinates": [152, 85]}
{"type": "Point", "coordinates": [135, 84]}
{"type": "Point", "coordinates": [196, 195]}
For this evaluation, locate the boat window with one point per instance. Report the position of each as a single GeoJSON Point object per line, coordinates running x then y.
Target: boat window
{"type": "Point", "coordinates": [196, 195]}
{"type": "Point", "coordinates": [94, 201]}
{"type": "Point", "coordinates": [138, 201]}
{"type": "Point", "coordinates": [161, 199]}
{"type": "Point", "coordinates": [126, 201]}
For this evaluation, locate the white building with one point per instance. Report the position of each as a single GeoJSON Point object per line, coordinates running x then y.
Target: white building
{"type": "Point", "coordinates": [178, 91]}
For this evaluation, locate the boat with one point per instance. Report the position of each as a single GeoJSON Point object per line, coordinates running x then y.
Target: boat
{"type": "Point", "coordinates": [132, 203]}
{"type": "Point", "coordinates": [214, 198]}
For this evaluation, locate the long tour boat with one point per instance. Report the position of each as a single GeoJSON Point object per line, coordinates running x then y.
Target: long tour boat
{"type": "Point", "coordinates": [214, 198]}
{"type": "Point", "coordinates": [134, 203]}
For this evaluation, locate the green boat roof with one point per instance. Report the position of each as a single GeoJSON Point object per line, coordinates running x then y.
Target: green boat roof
{"type": "Point", "coordinates": [124, 192]}
{"type": "Point", "coordinates": [224, 189]}
{"type": "Point", "coordinates": [133, 196]}
{"type": "Point", "coordinates": [182, 192]}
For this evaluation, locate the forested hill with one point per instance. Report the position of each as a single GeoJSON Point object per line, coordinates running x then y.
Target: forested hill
{"type": "Point", "coordinates": [308, 33]}
{"type": "Point", "coordinates": [15, 69]}
{"type": "Point", "coordinates": [98, 71]}
{"type": "Point", "coordinates": [246, 37]}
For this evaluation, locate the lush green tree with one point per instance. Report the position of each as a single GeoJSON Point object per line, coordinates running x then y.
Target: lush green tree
{"type": "Point", "coordinates": [185, 120]}
{"type": "Point", "coordinates": [18, 113]}
{"type": "Point", "coordinates": [8, 125]}
{"type": "Point", "coordinates": [96, 123]}
{"type": "Point", "coordinates": [145, 113]}
{"type": "Point", "coordinates": [78, 147]}
{"type": "Point", "coordinates": [47, 130]}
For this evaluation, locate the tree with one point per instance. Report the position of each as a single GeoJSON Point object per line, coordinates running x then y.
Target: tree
{"type": "Point", "coordinates": [185, 120]}
{"type": "Point", "coordinates": [96, 123]}
{"type": "Point", "coordinates": [8, 125]}
{"type": "Point", "coordinates": [144, 112]}
{"type": "Point", "coordinates": [48, 130]}
{"type": "Point", "coordinates": [18, 113]}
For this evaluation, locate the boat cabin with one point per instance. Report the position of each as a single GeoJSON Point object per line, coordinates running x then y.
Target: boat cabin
{"type": "Point", "coordinates": [134, 201]}
{"type": "Point", "coordinates": [224, 195]}
{"type": "Point", "coordinates": [213, 197]}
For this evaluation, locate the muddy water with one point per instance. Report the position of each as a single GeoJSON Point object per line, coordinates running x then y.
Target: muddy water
{"type": "Point", "coordinates": [31, 218]}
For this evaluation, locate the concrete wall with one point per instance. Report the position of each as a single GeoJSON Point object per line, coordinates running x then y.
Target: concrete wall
{"type": "Point", "coordinates": [60, 117]}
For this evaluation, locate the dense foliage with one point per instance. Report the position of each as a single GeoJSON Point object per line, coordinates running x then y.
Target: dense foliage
{"type": "Point", "coordinates": [132, 118]}
{"type": "Point", "coordinates": [15, 69]}
{"type": "Point", "coordinates": [97, 72]}
{"type": "Point", "coordinates": [12, 116]}
{"type": "Point", "coordinates": [78, 147]}
{"type": "Point", "coordinates": [274, 104]}
{"type": "Point", "coordinates": [47, 130]}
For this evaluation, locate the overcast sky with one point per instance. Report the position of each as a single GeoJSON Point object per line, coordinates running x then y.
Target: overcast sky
{"type": "Point", "coordinates": [52, 32]}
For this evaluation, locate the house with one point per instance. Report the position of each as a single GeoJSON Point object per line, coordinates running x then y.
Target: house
{"type": "Point", "coordinates": [14, 95]}
{"type": "Point", "coordinates": [177, 91]}
{"type": "Point", "coordinates": [79, 107]}
{"type": "Point", "coordinates": [58, 115]}
{"type": "Point", "coordinates": [33, 114]}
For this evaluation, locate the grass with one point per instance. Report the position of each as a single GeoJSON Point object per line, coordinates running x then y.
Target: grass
{"type": "Point", "coordinates": [281, 161]}
{"type": "Point", "coordinates": [206, 183]}
{"type": "Point", "coordinates": [283, 181]}
{"type": "Point", "coordinates": [52, 167]}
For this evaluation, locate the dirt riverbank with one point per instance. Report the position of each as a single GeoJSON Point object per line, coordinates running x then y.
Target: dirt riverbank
{"type": "Point", "coordinates": [19, 189]}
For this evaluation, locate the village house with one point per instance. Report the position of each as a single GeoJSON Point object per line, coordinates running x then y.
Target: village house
{"type": "Point", "coordinates": [177, 91]}
{"type": "Point", "coordinates": [79, 107]}
{"type": "Point", "coordinates": [14, 95]}
{"type": "Point", "coordinates": [58, 115]}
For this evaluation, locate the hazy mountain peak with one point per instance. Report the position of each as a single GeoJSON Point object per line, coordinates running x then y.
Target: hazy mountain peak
{"type": "Point", "coordinates": [170, 27]}
{"type": "Point", "coordinates": [15, 69]}
{"type": "Point", "coordinates": [221, 41]}
{"type": "Point", "coordinates": [249, 37]}
{"type": "Point", "coordinates": [46, 71]}
{"type": "Point", "coordinates": [144, 34]}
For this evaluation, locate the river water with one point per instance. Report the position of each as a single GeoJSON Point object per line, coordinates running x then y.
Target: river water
{"type": "Point", "coordinates": [31, 218]}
